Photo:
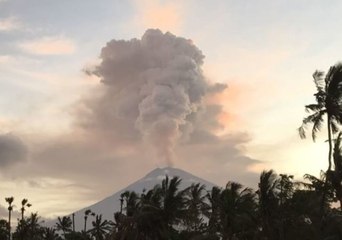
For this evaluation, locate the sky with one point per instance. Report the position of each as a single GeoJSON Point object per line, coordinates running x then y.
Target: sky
{"type": "Point", "coordinates": [95, 94]}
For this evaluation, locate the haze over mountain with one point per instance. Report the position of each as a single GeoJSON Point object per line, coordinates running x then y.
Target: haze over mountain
{"type": "Point", "coordinates": [108, 206]}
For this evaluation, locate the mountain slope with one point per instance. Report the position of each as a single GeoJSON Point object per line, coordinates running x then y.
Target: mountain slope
{"type": "Point", "coordinates": [108, 206]}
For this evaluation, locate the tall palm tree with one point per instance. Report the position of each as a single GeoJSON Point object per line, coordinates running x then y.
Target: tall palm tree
{"type": "Point", "coordinates": [86, 214]}
{"type": "Point", "coordinates": [9, 200]}
{"type": "Point", "coordinates": [195, 203]}
{"type": "Point", "coordinates": [73, 222]}
{"type": "Point", "coordinates": [24, 203]}
{"type": "Point", "coordinates": [335, 175]}
{"type": "Point", "coordinates": [172, 208]}
{"type": "Point", "coordinates": [237, 207]}
{"type": "Point", "coordinates": [64, 224]}
{"type": "Point", "coordinates": [213, 211]}
{"type": "Point", "coordinates": [328, 102]}
{"type": "Point", "coordinates": [131, 199]}
{"type": "Point", "coordinates": [29, 228]}
{"type": "Point", "coordinates": [268, 202]}
{"type": "Point", "coordinates": [100, 228]}
{"type": "Point", "coordinates": [49, 234]}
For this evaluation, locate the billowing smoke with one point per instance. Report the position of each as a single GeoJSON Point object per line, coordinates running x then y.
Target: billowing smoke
{"type": "Point", "coordinates": [155, 85]}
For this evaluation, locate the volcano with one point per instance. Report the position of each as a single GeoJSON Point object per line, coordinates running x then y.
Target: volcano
{"type": "Point", "coordinates": [108, 206]}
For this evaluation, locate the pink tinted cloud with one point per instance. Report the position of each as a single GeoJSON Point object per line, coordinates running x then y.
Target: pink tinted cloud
{"type": "Point", "coordinates": [9, 24]}
{"type": "Point", "coordinates": [49, 46]}
{"type": "Point", "coordinates": [156, 14]}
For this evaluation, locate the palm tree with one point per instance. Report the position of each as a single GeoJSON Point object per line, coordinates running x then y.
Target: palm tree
{"type": "Point", "coordinates": [131, 199]}
{"type": "Point", "coordinates": [64, 224]}
{"type": "Point", "coordinates": [73, 222]}
{"type": "Point", "coordinates": [172, 208]}
{"type": "Point", "coordinates": [195, 206]}
{"type": "Point", "coordinates": [328, 102]}
{"type": "Point", "coordinates": [9, 200]}
{"type": "Point", "coordinates": [335, 176]}
{"type": "Point", "coordinates": [49, 234]}
{"type": "Point", "coordinates": [237, 207]}
{"type": "Point", "coordinates": [24, 203]}
{"type": "Point", "coordinates": [86, 214]}
{"type": "Point", "coordinates": [3, 229]}
{"type": "Point", "coordinates": [213, 211]}
{"type": "Point", "coordinates": [268, 202]}
{"type": "Point", "coordinates": [29, 228]}
{"type": "Point", "coordinates": [100, 228]}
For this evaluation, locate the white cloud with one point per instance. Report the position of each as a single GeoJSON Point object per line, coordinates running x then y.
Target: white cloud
{"type": "Point", "coordinates": [49, 46]}
{"type": "Point", "coordinates": [5, 59]}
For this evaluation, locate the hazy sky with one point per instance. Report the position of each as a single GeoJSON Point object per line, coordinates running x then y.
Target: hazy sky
{"type": "Point", "coordinates": [81, 119]}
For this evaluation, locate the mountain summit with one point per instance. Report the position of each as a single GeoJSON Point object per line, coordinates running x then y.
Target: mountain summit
{"type": "Point", "coordinates": [108, 206]}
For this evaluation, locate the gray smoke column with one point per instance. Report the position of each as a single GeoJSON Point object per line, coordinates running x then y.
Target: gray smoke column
{"type": "Point", "coordinates": [156, 83]}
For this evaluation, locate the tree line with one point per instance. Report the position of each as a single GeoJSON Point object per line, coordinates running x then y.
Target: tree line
{"type": "Point", "coordinates": [280, 208]}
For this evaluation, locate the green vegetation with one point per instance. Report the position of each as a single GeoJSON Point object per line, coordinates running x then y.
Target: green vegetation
{"type": "Point", "coordinates": [279, 209]}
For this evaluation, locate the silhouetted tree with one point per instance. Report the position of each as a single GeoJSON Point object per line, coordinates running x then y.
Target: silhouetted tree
{"type": "Point", "coordinates": [237, 208]}
{"type": "Point", "coordinates": [268, 203]}
{"type": "Point", "coordinates": [195, 204]}
{"type": "Point", "coordinates": [49, 234]}
{"type": "Point", "coordinates": [24, 203]}
{"type": "Point", "coordinates": [29, 229]}
{"type": "Point", "coordinates": [100, 228]}
{"type": "Point", "coordinates": [3, 229]}
{"type": "Point", "coordinates": [329, 103]}
{"type": "Point", "coordinates": [9, 200]}
{"type": "Point", "coordinates": [335, 176]}
{"type": "Point", "coordinates": [172, 207]}
{"type": "Point", "coordinates": [86, 214]}
{"type": "Point", "coordinates": [64, 224]}
{"type": "Point", "coordinates": [213, 212]}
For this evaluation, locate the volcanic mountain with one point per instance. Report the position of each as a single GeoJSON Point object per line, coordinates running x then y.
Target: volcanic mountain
{"type": "Point", "coordinates": [108, 206]}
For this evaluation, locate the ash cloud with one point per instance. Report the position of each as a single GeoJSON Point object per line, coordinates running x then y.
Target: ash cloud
{"type": "Point", "coordinates": [12, 150]}
{"type": "Point", "coordinates": [153, 86]}
{"type": "Point", "coordinates": [152, 92]}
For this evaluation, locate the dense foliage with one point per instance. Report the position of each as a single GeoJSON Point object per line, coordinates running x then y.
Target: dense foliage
{"type": "Point", "coordinates": [279, 209]}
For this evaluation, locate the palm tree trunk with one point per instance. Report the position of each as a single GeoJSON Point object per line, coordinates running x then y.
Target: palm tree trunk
{"type": "Point", "coordinates": [85, 225]}
{"type": "Point", "coordinates": [73, 222]}
{"type": "Point", "coordinates": [330, 143]}
{"type": "Point", "coordinates": [325, 190]}
{"type": "Point", "coordinates": [9, 225]}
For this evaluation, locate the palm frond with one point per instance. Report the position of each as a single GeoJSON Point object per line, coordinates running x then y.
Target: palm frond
{"type": "Point", "coordinates": [321, 97]}
{"type": "Point", "coordinates": [317, 125]}
{"type": "Point", "coordinates": [318, 80]}
{"type": "Point", "coordinates": [333, 76]}
{"type": "Point", "coordinates": [334, 126]}
{"type": "Point", "coordinates": [316, 119]}
{"type": "Point", "coordinates": [313, 107]}
{"type": "Point", "coordinates": [302, 131]}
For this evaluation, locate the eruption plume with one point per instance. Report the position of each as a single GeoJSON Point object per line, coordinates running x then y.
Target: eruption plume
{"type": "Point", "coordinates": [156, 84]}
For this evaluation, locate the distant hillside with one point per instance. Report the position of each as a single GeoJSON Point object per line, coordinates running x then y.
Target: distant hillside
{"type": "Point", "coordinates": [108, 206]}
